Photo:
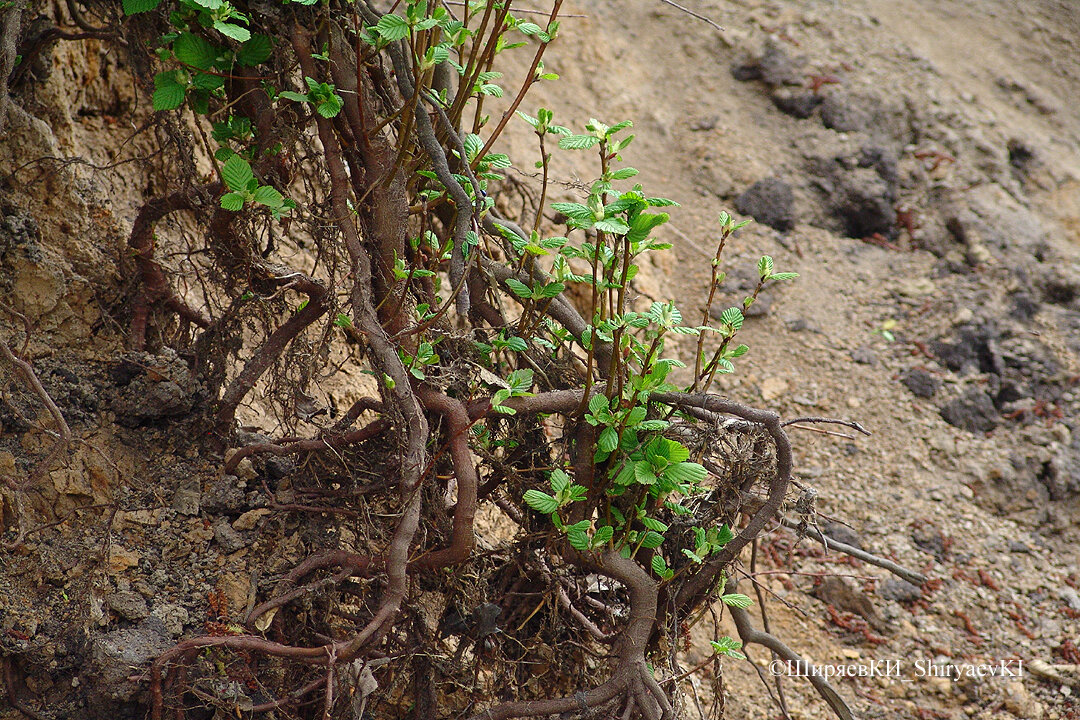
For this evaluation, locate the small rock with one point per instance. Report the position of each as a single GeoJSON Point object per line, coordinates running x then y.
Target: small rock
{"type": "Point", "coordinates": [1024, 306]}
{"type": "Point", "coordinates": [117, 657]}
{"type": "Point", "coordinates": [1071, 597]}
{"type": "Point", "coordinates": [774, 67]}
{"type": "Point", "coordinates": [797, 103]}
{"type": "Point", "coordinates": [705, 124]}
{"type": "Point", "coordinates": [761, 306]}
{"type": "Point", "coordinates": [223, 495]}
{"type": "Point", "coordinates": [228, 539]}
{"type": "Point", "coordinates": [187, 497]}
{"type": "Point", "coordinates": [900, 590]}
{"type": "Point", "coordinates": [845, 597]}
{"type": "Point", "coordinates": [863, 202]}
{"type": "Point", "coordinates": [248, 520]}
{"type": "Point", "coordinates": [769, 201]}
{"type": "Point", "coordinates": [1019, 702]}
{"type": "Point", "coordinates": [1017, 546]}
{"type": "Point", "coordinates": [121, 559]}
{"type": "Point", "coordinates": [773, 387]}
{"type": "Point", "coordinates": [929, 538]}
{"type": "Point", "coordinates": [128, 605]}
{"type": "Point", "coordinates": [917, 287]}
{"type": "Point", "coordinates": [864, 355]}
{"type": "Point", "coordinates": [842, 533]}
{"type": "Point", "coordinates": [920, 382]}
{"type": "Point", "coordinates": [973, 411]}
{"type": "Point", "coordinates": [173, 616]}
{"type": "Point", "coordinates": [845, 112]}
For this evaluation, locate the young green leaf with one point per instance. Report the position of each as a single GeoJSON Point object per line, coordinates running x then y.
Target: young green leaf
{"type": "Point", "coordinates": [736, 600]}
{"type": "Point", "coordinates": [232, 201]}
{"type": "Point", "coordinates": [652, 539]}
{"type": "Point", "coordinates": [540, 501]}
{"type": "Point", "coordinates": [193, 50]}
{"type": "Point", "coordinates": [609, 440]}
{"type": "Point", "coordinates": [256, 50]}
{"type": "Point", "coordinates": [268, 196]}
{"type": "Point", "coordinates": [236, 172]}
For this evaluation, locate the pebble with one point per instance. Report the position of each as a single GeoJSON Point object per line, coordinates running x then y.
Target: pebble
{"type": "Point", "coordinates": [772, 388]}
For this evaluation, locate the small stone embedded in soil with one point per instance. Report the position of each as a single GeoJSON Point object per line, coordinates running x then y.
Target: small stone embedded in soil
{"type": "Point", "coordinates": [128, 605]}
{"type": "Point", "coordinates": [796, 103]}
{"type": "Point", "coordinates": [228, 539]}
{"type": "Point", "coordinates": [844, 596]}
{"type": "Point", "coordinates": [223, 495]}
{"type": "Point", "coordinates": [930, 539]}
{"type": "Point", "coordinates": [773, 388]}
{"type": "Point", "coordinates": [842, 533]}
{"type": "Point", "coordinates": [187, 498]}
{"type": "Point", "coordinates": [769, 201]}
{"type": "Point", "coordinates": [121, 559]}
{"type": "Point", "coordinates": [863, 202]}
{"type": "Point", "coordinates": [117, 656]}
{"type": "Point", "coordinates": [248, 520]}
{"type": "Point", "coordinates": [900, 590]}
{"type": "Point", "coordinates": [864, 355]}
{"type": "Point", "coordinates": [920, 382]}
{"type": "Point", "coordinates": [973, 411]}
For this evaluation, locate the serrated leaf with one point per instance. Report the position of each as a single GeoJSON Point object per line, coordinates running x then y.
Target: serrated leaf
{"type": "Point", "coordinates": [236, 172]}
{"type": "Point", "coordinates": [575, 211]}
{"type": "Point", "coordinates": [206, 81]}
{"type": "Point", "coordinates": [690, 554]}
{"type": "Point", "coordinates": [235, 32]}
{"type": "Point", "coordinates": [685, 473]}
{"type": "Point", "coordinates": [654, 524]}
{"type": "Point", "coordinates": [652, 539]}
{"type": "Point", "coordinates": [733, 317]}
{"type": "Point", "coordinates": [529, 28]}
{"type": "Point", "coordinates": [168, 96]}
{"type": "Point", "coordinates": [624, 174]}
{"type": "Point", "coordinates": [294, 96]}
{"type": "Point", "coordinates": [256, 50]}
{"type": "Point", "coordinates": [578, 142]}
{"type": "Point", "coordinates": [729, 647]}
{"type": "Point", "coordinates": [643, 225]}
{"type": "Point", "coordinates": [603, 536]}
{"type": "Point", "coordinates": [268, 196]}
{"type": "Point", "coordinates": [559, 481]}
{"type": "Point", "coordinates": [740, 351]}
{"type": "Point", "coordinates": [765, 266]}
{"type": "Point", "coordinates": [578, 539]}
{"type": "Point", "coordinates": [609, 440]}
{"type": "Point", "coordinates": [132, 7]}
{"type": "Point", "coordinates": [520, 381]}
{"type": "Point", "coordinates": [643, 472]}
{"type": "Point", "coordinates": [736, 600]}
{"type": "Point", "coordinates": [784, 276]}
{"type": "Point", "coordinates": [232, 201]}
{"type": "Point", "coordinates": [724, 535]}
{"type": "Point", "coordinates": [330, 107]}
{"type": "Point", "coordinates": [652, 425]}
{"type": "Point", "coordinates": [392, 27]}
{"type": "Point", "coordinates": [658, 565]}
{"type": "Point", "coordinates": [540, 501]}
{"type": "Point", "coordinates": [519, 288]}
{"type": "Point", "coordinates": [597, 403]}
{"type": "Point", "coordinates": [194, 50]}
{"type": "Point", "coordinates": [552, 290]}
{"type": "Point", "coordinates": [615, 226]}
